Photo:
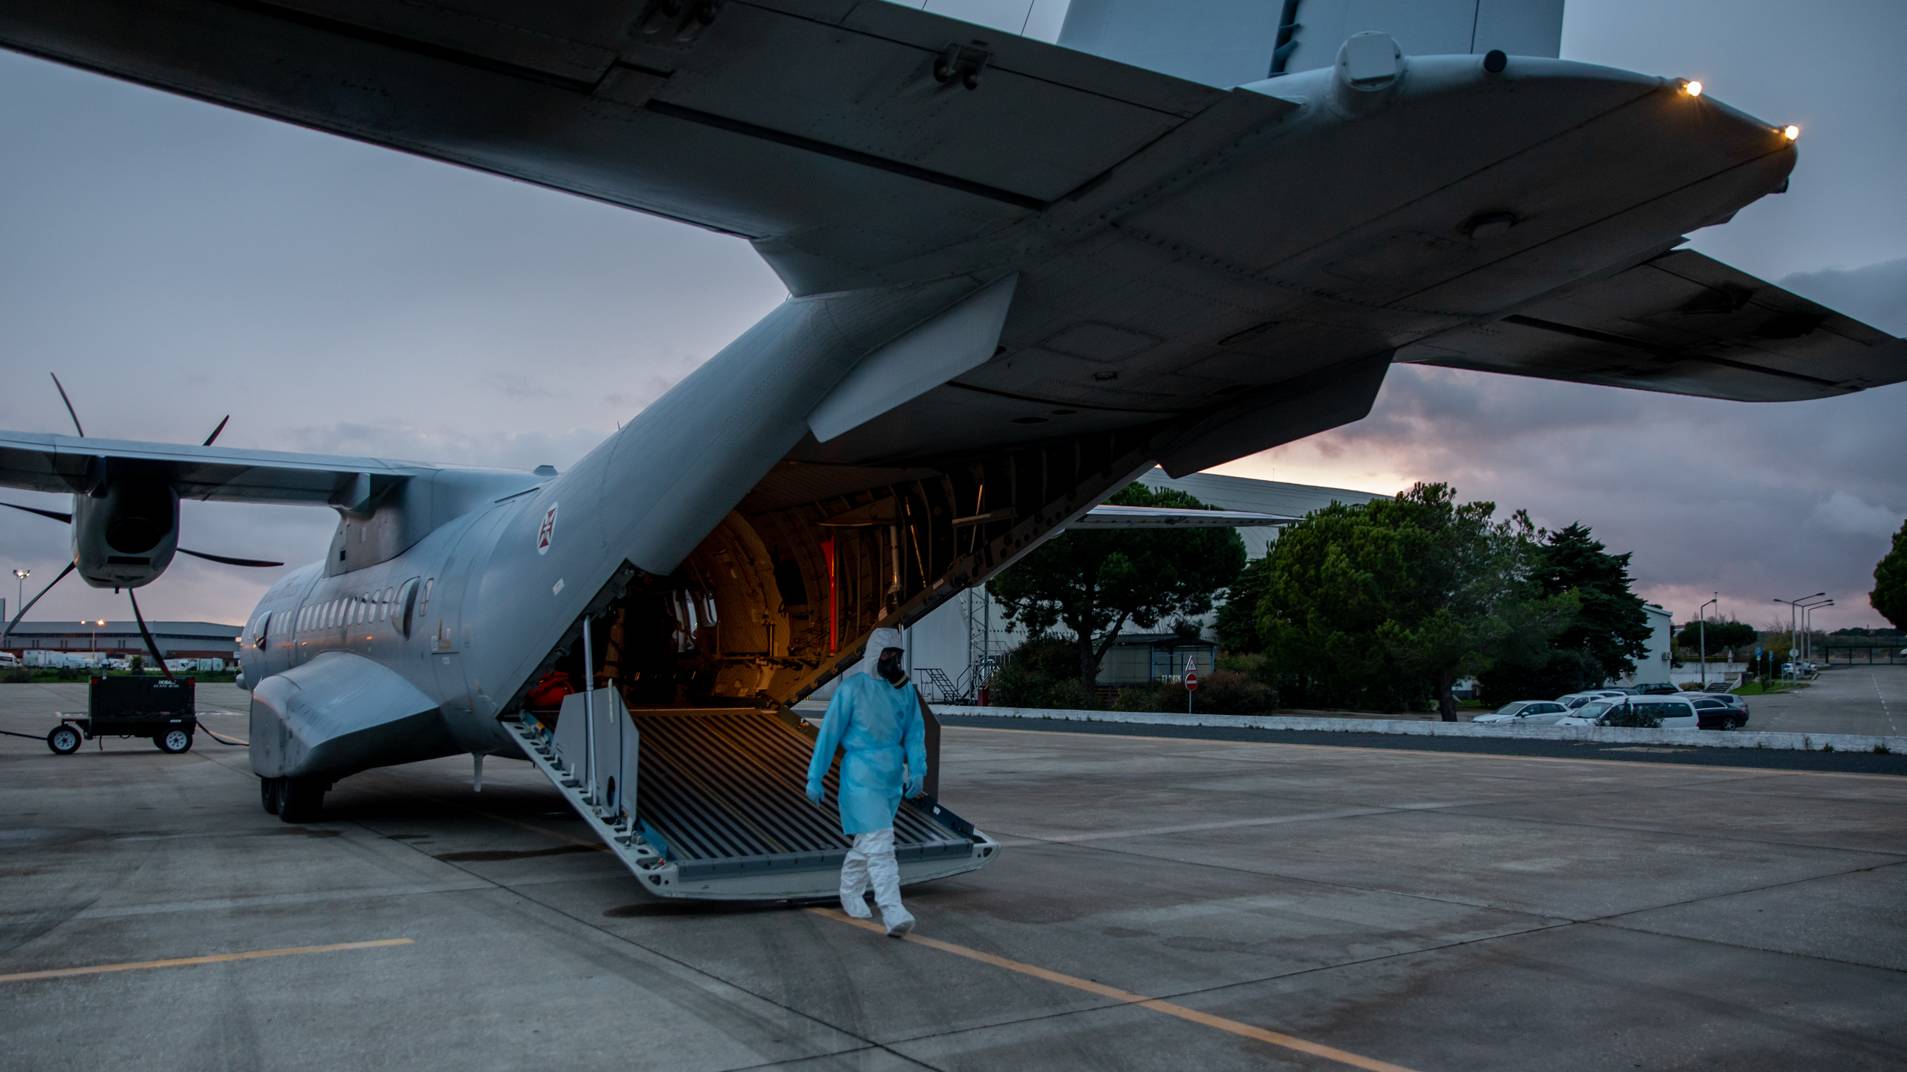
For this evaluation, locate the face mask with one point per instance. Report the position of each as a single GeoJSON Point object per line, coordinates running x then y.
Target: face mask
{"type": "Point", "coordinates": [889, 666]}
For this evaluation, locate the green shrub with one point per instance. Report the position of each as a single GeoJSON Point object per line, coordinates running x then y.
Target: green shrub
{"type": "Point", "coordinates": [15, 677]}
{"type": "Point", "coordinates": [1043, 672]}
{"type": "Point", "coordinates": [1231, 692]}
{"type": "Point", "coordinates": [1150, 698]}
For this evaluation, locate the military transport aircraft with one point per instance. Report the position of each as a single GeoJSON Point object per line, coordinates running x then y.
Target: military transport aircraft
{"type": "Point", "coordinates": [1018, 274]}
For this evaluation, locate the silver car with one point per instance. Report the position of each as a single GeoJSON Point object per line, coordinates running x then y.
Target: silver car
{"type": "Point", "coordinates": [1524, 713]}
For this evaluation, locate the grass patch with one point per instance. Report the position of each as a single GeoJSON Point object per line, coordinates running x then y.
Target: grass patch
{"type": "Point", "coordinates": [1757, 688]}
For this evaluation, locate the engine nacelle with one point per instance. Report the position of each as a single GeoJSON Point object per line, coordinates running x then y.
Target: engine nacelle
{"type": "Point", "coordinates": [126, 536]}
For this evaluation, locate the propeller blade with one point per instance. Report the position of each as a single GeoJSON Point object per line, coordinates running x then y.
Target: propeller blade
{"type": "Point", "coordinates": [69, 404]}
{"type": "Point", "coordinates": [151, 644]}
{"type": "Point", "coordinates": [4, 633]}
{"type": "Point", "coordinates": [216, 431]}
{"type": "Point", "coordinates": [229, 560]}
{"type": "Point", "coordinates": [51, 514]}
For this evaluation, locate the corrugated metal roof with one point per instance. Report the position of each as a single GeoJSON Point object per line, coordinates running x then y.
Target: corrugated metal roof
{"type": "Point", "coordinates": [1262, 496]}
{"type": "Point", "coordinates": [164, 630]}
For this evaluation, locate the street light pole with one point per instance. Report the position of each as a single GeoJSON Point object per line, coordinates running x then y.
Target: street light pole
{"type": "Point", "coordinates": [1794, 606]}
{"type": "Point", "coordinates": [1701, 630]}
{"type": "Point", "coordinates": [19, 595]}
{"type": "Point", "coordinates": [1807, 627]}
{"type": "Point", "coordinates": [1807, 641]}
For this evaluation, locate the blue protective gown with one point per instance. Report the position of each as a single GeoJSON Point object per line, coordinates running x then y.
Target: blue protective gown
{"type": "Point", "coordinates": [879, 730]}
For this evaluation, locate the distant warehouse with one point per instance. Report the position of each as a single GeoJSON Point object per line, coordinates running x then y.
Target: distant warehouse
{"type": "Point", "coordinates": [176, 640]}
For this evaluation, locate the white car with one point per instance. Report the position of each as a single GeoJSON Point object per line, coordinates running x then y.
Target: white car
{"type": "Point", "coordinates": [1524, 713]}
{"type": "Point", "coordinates": [1574, 700]}
{"type": "Point", "coordinates": [1675, 712]}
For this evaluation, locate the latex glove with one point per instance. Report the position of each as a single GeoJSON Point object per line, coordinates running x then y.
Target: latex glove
{"type": "Point", "coordinates": [911, 787]}
{"type": "Point", "coordinates": [814, 795]}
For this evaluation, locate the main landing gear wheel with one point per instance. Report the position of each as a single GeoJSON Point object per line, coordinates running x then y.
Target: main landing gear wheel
{"type": "Point", "coordinates": [63, 740]}
{"type": "Point", "coordinates": [301, 800]}
{"type": "Point", "coordinates": [173, 742]}
{"type": "Point", "coordinates": [268, 795]}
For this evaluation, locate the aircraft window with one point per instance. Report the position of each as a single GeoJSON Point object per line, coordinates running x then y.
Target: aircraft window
{"type": "Point", "coordinates": [357, 610]}
{"type": "Point", "coordinates": [401, 610]}
{"type": "Point", "coordinates": [388, 607]}
{"type": "Point", "coordinates": [423, 605]}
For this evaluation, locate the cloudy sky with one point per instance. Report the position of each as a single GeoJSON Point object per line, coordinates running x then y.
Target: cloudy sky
{"type": "Point", "coordinates": [176, 262]}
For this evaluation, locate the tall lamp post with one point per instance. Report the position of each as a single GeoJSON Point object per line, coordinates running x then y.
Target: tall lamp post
{"type": "Point", "coordinates": [1701, 630]}
{"type": "Point", "coordinates": [19, 595]}
{"type": "Point", "coordinates": [1807, 628]}
{"type": "Point", "coordinates": [96, 623]}
{"type": "Point", "coordinates": [1793, 623]}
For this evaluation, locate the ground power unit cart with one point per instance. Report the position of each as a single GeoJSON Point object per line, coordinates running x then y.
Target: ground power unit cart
{"type": "Point", "coordinates": [162, 710]}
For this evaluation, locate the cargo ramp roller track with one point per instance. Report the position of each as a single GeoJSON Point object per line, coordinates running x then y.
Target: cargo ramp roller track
{"type": "Point", "coordinates": [716, 809]}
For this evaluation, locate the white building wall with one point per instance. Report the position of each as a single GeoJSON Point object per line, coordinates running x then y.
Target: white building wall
{"type": "Point", "coordinates": [941, 639]}
{"type": "Point", "coordinates": [1653, 668]}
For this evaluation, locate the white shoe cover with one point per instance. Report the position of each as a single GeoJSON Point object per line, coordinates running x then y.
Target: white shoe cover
{"type": "Point", "coordinates": [898, 925]}
{"type": "Point", "coordinates": [856, 906]}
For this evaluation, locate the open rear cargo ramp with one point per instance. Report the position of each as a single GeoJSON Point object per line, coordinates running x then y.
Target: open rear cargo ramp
{"type": "Point", "coordinates": [710, 804]}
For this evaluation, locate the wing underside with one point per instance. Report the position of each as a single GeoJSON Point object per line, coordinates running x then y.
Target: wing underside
{"type": "Point", "coordinates": [57, 463]}
{"type": "Point", "coordinates": [820, 130]}
{"type": "Point", "coordinates": [1684, 324]}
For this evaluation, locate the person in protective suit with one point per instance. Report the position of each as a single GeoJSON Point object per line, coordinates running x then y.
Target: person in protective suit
{"type": "Point", "coordinates": [875, 720]}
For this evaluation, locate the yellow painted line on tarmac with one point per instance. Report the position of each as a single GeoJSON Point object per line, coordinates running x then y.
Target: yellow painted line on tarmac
{"type": "Point", "coordinates": [1127, 997]}
{"type": "Point", "coordinates": [215, 958]}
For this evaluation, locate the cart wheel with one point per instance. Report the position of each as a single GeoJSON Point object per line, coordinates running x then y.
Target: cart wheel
{"type": "Point", "coordinates": [268, 795]}
{"type": "Point", "coordinates": [302, 800]}
{"type": "Point", "coordinates": [172, 742]}
{"type": "Point", "coordinates": [63, 740]}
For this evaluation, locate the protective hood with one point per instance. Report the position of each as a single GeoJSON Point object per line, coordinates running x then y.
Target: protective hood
{"type": "Point", "coordinates": [878, 641]}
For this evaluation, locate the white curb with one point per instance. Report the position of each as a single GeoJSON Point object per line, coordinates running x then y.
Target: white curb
{"type": "Point", "coordinates": [1794, 742]}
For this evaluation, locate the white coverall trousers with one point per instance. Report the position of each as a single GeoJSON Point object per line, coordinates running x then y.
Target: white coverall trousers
{"type": "Point", "coordinates": [870, 862]}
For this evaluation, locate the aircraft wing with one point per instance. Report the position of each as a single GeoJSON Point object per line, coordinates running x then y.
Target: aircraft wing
{"type": "Point", "coordinates": [59, 463]}
{"type": "Point", "coordinates": [818, 129]}
{"type": "Point", "coordinates": [1684, 324]}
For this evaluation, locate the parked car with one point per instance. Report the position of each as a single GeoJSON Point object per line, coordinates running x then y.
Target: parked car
{"type": "Point", "coordinates": [8, 661]}
{"type": "Point", "coordinates": [1714, 712]}
{"type": "Point", "coordinates": [1737, 706]}
{"type": "Point", "coordinates": [1524, 713]}
{"type": "Point", "coordinates": [1573, 700]}
{"type": "Point", "coordinates": [1670, 712]}
{"type": "Point", "coordinates": [1659, 688]}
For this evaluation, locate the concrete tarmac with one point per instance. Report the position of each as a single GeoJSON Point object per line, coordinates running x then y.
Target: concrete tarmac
{"type": "Point", "coordinates": [1843, 699]}
{"type": "Point", "coordinates": [1160, 904]}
